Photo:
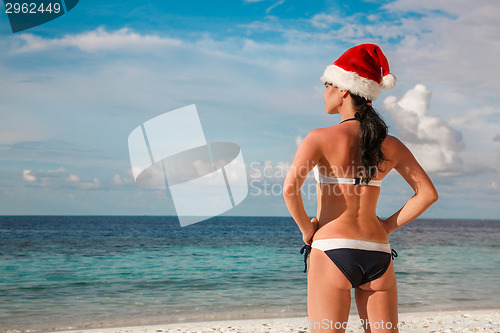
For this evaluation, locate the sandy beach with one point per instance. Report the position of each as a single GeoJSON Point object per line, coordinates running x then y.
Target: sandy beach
{"type": "Point", "coordinates": [417, 322]}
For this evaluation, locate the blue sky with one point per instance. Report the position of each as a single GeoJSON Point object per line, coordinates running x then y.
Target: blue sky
{"type": "Point", "coordinates": [74, 88]}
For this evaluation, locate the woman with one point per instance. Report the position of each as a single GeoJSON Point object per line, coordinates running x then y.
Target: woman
{"type": "Point", "coordinates": [348, 243]}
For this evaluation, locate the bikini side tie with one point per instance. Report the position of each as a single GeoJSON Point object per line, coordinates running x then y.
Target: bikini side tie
{"type": "Point", "coordinates": [306, 249]}
{"type": "Point", "coordinates": [394, 254]}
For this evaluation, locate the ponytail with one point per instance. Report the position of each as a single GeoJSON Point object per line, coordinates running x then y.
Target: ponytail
{"type": "Point", "coordinates": [373, 132]}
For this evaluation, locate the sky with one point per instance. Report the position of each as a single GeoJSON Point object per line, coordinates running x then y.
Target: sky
{"type": "Point", "coordinates": [73, 89]}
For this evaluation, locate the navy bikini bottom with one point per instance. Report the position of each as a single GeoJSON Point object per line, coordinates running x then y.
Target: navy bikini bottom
{"type": "Point", "coordinates": [360, 261]}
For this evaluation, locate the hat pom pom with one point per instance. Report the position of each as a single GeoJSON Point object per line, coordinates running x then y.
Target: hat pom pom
{"type": "Point", "coordinates": [388, 81]}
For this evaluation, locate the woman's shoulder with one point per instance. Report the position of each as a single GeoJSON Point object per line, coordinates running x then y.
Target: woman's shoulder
{"type": "Point", "coordinates": [320, 133]}
{"type": "Point", "coordinates": [330, 130]}
{"type": "Point", "coordinates": [394, 149]}
{"type": "Point", "coordinates": [392, 142]}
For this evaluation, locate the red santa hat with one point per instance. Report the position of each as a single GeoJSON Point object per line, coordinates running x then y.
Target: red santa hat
{"type": "Point", "coordinates": [362, 70]}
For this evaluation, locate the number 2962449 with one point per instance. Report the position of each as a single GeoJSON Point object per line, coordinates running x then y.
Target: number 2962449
{"type": "Point", "coordinates": [32, 8]}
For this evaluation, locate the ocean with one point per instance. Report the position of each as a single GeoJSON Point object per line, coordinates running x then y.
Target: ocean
{"type": "Point", "coordinates": [82, 271]}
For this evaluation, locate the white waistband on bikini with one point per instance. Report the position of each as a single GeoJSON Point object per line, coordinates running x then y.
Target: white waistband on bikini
{"type": "Point", "coordinates": [342, 243]}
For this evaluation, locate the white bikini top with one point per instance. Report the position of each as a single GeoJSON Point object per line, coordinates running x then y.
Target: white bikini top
{"type": "Point", "coordinates": [320, 178]}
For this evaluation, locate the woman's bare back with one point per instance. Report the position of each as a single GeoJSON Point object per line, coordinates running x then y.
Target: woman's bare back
{"type": "Point", "coordinates": [345, 210]}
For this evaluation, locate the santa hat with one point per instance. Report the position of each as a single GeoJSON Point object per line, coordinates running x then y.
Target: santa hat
{"type": "Point", "coordinates": [362, 70]}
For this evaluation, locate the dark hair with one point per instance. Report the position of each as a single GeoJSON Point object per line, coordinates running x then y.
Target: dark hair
{"type": "Point", "coordinates": [373, 133]}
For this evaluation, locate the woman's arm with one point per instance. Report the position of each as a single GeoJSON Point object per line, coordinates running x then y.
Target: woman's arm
{"type": "Point", "coordinates": [425, 192]}
{"type": "Point", "coordinates": [307, 156]}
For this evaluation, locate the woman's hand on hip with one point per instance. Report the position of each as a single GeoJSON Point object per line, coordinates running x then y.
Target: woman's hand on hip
{"type": "Point", "coordinates": [385, 225]}
{"type": "Point", "coordinates": [308, 235]}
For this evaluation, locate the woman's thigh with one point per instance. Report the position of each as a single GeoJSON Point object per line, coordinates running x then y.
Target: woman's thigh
{"type": "Point", "coordinates": [328, 294]}
{"type": "Point", "coordinates": [377, 303]}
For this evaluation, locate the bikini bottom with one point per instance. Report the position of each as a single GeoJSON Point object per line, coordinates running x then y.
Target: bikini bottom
{"type": "Point", "coordinates": [359, 261]}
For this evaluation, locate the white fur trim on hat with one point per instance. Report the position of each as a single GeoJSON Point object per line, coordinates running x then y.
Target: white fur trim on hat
{"type": "Point", "coordinates": [351, 81]}
{"type": "Point", "coordinates": [388, 81]}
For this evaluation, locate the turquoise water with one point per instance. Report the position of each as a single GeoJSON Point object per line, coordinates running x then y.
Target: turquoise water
{"type": "Point", "coordinates": [75, 271]}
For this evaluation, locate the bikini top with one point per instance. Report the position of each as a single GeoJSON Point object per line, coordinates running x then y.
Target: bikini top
{"type": "Point", "coordinates": [320, 178]}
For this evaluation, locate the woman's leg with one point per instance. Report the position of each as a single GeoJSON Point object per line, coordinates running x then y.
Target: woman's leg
{"type": "Point", "coordinates": [328, 295]}
{"type": "Point", "coordinates": [377, 303]}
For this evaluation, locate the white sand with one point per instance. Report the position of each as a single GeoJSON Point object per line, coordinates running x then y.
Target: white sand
{"type": "Point", "coordinates": [418, 322]}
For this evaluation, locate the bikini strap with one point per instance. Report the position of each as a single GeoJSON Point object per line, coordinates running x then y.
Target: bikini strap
{"type": "Point", "coordinates": [356, 117]}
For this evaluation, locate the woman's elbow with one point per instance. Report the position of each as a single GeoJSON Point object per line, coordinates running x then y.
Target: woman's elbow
{"type": "Point", "coordinates": [289, 190]}
{"type": "Point", "coordinates": [433, 195]}
{"type": "Point", "coordinates": [428, 194]}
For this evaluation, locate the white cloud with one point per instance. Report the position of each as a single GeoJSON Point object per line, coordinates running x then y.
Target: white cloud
{"type": "Point", "coordinates": [323, 20]}
{"type": "Point", "coordinates": [29, 177]}
{"type": "Point", "coordinates": [263, 26]}
{"type": "Point", "coordinates": [122, 180]}
{"type": "Point", "coordinates": [117, 180]}
{"type": "Point", "coordinates": [427, 6]}
{"type": "Point", "coordinates": [93, 41]}
{"type": "Point", "coordinates": [93, 184]}
{"type": "Point", "coordinates": [435, 144]}
{"type": "Point", "coordinates": [72, 178]}
{"type": "Point", "coordinates": [276, 4]}
{"type": "Point", "coordinates": [478, 119]}
{"type": "Point", "coordinates": [43, 178]}
{"type": "Point", "coordinates": [59, 178]}
{"type": "Point", "coordinates": [76, 182]}
{"type": "Point", "coordinates": [59, 170]}
{"type": "Point", "coordinates": [298, 140]}
{"type": "Point", "coordinates": [455, 42]}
